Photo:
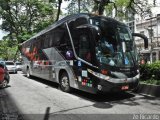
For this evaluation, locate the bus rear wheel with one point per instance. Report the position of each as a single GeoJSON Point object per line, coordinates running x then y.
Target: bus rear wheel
{"type": "Point", "coordinates": [64, 82]}
{"type": "Point", "coordinates": [28, 73]}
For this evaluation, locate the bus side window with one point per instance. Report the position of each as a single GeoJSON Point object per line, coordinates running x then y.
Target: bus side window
{"type": "Point", "coordinates": [56, 37]}
{"type": "Point", "coordinates": [80, 21]}
{"type": "Point", "coordinates": [84, 48]}
{"type": "Point", "coordinates": [47, 42]}
{"type": "Point", "coordinates": [42, 41]}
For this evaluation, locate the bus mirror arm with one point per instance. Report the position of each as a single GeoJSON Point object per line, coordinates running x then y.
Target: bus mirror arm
{"type": "Point", "coordinates": [143, 37]}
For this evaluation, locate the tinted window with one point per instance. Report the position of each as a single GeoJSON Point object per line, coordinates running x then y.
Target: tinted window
{"type": "Point", "coordinates": [80, 21]}
{"type": "Point", "coordinates": [84, 47]}
{"type": "Point", "coordinates": [9, 63]}
{"type": "Point", "coordinates": [56, 36]}
{"type": "Point", "coordinates": [18, 63]}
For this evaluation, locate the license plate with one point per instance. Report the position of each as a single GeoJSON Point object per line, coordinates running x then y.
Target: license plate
{"type": "Point", "coordinates": [125, 87]}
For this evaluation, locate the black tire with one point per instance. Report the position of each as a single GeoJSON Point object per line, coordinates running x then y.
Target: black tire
{"type": "Point", "coordinates": [28, 73]}
{"type": "Point", "coordinates": [64, 82]}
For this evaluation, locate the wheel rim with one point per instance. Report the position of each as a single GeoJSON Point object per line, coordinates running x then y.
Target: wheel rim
{"type": "Point", "coordinates": [65, 82]}
{"type": "Point", "coordinates": [28, 73]}
{"type": "Point", "coordinates": [4, 84]}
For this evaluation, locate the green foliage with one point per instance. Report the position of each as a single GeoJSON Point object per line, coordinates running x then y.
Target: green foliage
{"type": "Point", "coordinates": [8, 49]}
{"type": "Point", "coordinates": [124, 8]}
{"type": "Point", "coordinates": [150, 72]}
{"type": "Point", "coordinates": [145, 72]}
{"type": "Point", "coordinates": [151, 81]}
{"type": "Point", "coordinates": [23, 18]}
{"type": "Point", "coordinates": [85, 6]}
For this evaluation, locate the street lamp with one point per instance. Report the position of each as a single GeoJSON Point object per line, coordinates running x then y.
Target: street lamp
{"type": "Point", "coordinates": [158, 21]}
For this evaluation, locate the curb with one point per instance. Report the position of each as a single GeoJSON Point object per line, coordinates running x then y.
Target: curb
{"type": "Point", "coordinates": [153, 90]}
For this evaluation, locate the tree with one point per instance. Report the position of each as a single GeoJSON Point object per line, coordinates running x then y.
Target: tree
{"type": "Point", "coordinates": [80, 6]}
{"type": "Point", "coordinates": [58, 4]}
{"type": "Point", "coordinates": [21, 17]}
{"type": "Point", "coordinates": [123, 8]}
{"type": "Point", "coordinates": [8, 49]}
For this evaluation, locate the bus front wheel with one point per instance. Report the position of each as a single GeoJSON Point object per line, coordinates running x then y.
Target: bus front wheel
{"type": "Point", "coordinates": [64, 82]}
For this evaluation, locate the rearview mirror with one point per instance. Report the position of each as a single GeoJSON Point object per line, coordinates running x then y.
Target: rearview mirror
{"type": "Point", "coordinates": [143, 37]}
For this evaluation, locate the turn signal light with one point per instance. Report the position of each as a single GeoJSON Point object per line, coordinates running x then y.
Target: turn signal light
{"type": "Point", "coordinates": [105, 72]}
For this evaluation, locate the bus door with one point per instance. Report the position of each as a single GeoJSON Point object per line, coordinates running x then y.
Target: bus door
{"type": "Point", "coordinates": [84, 45]}
{"type": "Point", "coordinates": [85, 53]}
{"type": "Point", "coordinates": [84, 48]}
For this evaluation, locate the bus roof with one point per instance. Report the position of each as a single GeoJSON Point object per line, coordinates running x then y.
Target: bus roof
{"type": "Point", "coordinates": [70, 17]}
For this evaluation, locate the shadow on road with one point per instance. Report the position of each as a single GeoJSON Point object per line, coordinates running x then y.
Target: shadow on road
{"type": "Point", "coordinates": [46, 82]}
{"type": "Point", "coordinates": [107, 97]}
{"type": "Point", "coordinates": [8, 108]}
{"type": "Point", "coordinates": [105, 100]}
{"type": "Point", "coordinates": [46, 116]}
{"type": "Point", "coordinates": [108, 100]}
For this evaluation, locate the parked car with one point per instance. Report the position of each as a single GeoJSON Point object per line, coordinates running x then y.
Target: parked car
{"type": "Point", "coordinates": [3, 62]}
{"type": "Point", "coordinates": [4, 75]}
{"type": "Point", "coordinates": [11, 66]}
{"type": "Point", "coordinates": [18, 66]}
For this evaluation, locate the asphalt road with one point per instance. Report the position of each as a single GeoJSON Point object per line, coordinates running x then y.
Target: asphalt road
{"type": "Point", "coordinates": [36, 99]}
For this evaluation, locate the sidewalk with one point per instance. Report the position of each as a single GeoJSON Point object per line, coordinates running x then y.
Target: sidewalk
{"type": "Point", "coordinates": [153, 90]}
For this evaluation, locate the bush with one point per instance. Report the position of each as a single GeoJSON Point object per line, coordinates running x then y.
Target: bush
{"type": "Point", "coordinates": [150, 71]}
{"type": "Point", "coordinates": [151, 81]}
{"type": "Point", "coordinates": [145, 73]}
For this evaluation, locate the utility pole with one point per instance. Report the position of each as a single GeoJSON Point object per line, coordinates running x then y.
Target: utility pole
{"type": "Point", "coordinates": [158, 21]}
{"type": "Point", "coordinates": [151, 55]}
{"type": "Point", "coordinates": [150, 31]}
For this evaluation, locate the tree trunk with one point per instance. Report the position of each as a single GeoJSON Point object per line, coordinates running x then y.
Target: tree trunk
{"type": "Point", "coordinates": [59, 9]}
{"type": "Point", "coordinates": [101, 5]}
{"type": "Point", "coordinates": [79, 10]}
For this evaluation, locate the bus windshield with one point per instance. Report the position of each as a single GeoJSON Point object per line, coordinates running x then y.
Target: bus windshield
{"type": "Point", "coordinates": [116, 46]}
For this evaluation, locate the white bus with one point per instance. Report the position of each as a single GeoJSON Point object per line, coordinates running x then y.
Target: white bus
{"type": "Point", "coordinates": [86, 52]}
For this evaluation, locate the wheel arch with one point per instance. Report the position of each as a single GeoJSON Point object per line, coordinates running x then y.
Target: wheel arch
{"type": "Point", "coordinates": [27, 67]}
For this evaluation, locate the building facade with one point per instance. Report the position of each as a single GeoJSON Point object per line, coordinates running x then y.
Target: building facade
{"type": "Point", "coordinates": [151, 28]}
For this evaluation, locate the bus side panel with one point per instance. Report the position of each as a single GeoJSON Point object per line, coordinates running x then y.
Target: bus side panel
{"type": "Point", "coordinates": [58, 63]}
{"type": "Point", "coordinates": [74, 71]}
{"type": "Point", "coordinates": [24, 62]}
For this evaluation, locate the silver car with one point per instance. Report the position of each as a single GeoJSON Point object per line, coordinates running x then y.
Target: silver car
{"type": "Point", "coordinates": [18, 66]}
{"type": "Point", "coordinates": [11, 66]}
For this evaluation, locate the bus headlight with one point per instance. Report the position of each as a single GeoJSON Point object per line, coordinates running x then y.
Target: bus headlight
{"type": "Point", "coordinates": [99, 75]}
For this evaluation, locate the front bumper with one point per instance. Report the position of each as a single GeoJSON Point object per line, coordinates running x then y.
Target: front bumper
{"type": "Point", "coordinates": [12, 70]}
{"type": "Point", "coordinates": [117, 85]}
